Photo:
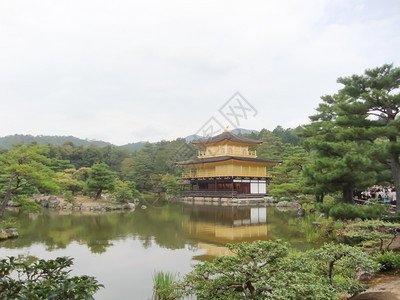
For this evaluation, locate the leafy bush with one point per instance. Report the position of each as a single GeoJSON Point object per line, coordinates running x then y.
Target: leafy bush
{"type": "Point", "coordinates": [388, 260]}
{"type": "Point", "coordinates": [325, 206]}
{"type": "Point", "coordinates": [124, 196]}
{"type": "Point", "coordinates": [266, 270]}
{"type": "Point", "coordinates": [395, 218]}
{"type": "Point", "coordinates": [27, 204]}
{"type": "Point", "coordinates": [125, 191]}
{"type": "Point", "coordinates": [373, 233]}
{"type": "Point", "coordinates": [43, 280]}
{"type": "Point", "coordinates": [69, 197]}
{"type": "Point", "coordinates": [375, 211]}
{"type": "Point", "coordinates": [345, 211]}
{"type": "Point", "coordinates": [9, 222]}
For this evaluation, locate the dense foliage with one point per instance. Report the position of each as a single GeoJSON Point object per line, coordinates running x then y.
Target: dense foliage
{"type": "Point", "coordinates": [100, 178]}
{"type": "Point", "coordinates": [373, 233]}
{"type": "Point", "coordinates": [25, 170]}
{"type": "Point", "coordinates": [355, 134]}
{"type": "Point", "coordinates": [43, 279]}
{"type": "Point", "coordinates": [346, 211]}
{"type": "Point", "coordinates": [266, 270]}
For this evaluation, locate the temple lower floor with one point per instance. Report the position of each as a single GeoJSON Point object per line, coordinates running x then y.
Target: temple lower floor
{"type": "Point", "coordinates": [226, 185]}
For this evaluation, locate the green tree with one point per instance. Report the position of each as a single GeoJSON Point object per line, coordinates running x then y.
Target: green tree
{"type": "Point", "coordinates": [44, 279]}
{"type": "Point", "coordinates": [287, 178]}
{"type": "Point", "coordinates": [113, 156]}
{"type": "Point", "coordinates": [343, 137]}
{"type": "Point", "coordinates": [155, 184]}
{"type": "Point", "coordinates": [72, 180]}
{"type": "Point", "coordinates": [375, 99]}
{"type": "Point", "coordinates": [171, 184]}
{"type": "Point", "coordinates": [272, 146]}
{"type": "Point", "coordinates": [100, 178]}
{"type": "Point", "coordinates": [289, 135]}
{"type": "Point", "coordinates": [25, 170]}
{"type": "Point", "coordinates": [140, 167]}
{"type": "Point", "coordinates": [354, 131]}
{"type": "Point", "coordinates": [338, 166]}
{"type": "Point", "coordinates": [92, 155]}
{"type": "Point", "coordinates": [125, 191]}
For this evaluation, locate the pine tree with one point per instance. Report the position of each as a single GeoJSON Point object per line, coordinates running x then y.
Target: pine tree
{"type": "Point", "coordinates": [343, 135]}
{"type": "Point", "coordinates": [100, 178]}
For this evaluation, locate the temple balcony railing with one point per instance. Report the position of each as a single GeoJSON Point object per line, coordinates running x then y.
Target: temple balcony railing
{"type": "Point", "coordinates": [234, 152]}
{"type": "Point", "coordinates": [232, 194]}
{"type": "Point", "coordinates": [220, 194]}
{"type": "Point", "coordinates": [201, 174]}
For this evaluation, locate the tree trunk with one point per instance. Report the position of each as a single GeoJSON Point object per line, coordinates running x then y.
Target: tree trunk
{"type": "Point", "coordinates": [395, 166]}
{"type": "Point", "coordinates": [330, 270]}
{"type": "Point", "coordinates": [6, 198]}
{"type": "Point", "coordinates": [348, 194]}
{"type": "Point", "coordinates": [98, 194]}
{"type": "Point", "coordinates": [319, 197]}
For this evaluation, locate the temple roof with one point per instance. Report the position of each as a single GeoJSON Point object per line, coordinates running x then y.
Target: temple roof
{"type": "Point", "coordinates": [226, 135]}
{"type": "Point", "coordinates": [223, 158]}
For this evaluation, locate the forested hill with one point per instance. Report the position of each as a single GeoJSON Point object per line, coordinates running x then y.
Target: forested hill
{"type": "Point", "coordinates": [133, 146]}
{"type": "Point", "coordinates": [287, 136]}
{"type": "Point", "coordinates": [8, 141]}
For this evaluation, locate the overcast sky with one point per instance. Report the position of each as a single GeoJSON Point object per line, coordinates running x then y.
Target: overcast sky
{"type": "Point", "coordinates": [124, 71]}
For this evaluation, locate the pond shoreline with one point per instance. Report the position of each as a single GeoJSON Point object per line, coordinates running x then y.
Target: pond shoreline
{"type": "Point", "coordinates": [383, 286]}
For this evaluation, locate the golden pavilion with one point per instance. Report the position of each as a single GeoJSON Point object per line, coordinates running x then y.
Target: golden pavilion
{"type": "Point", "coordinates": [225, 167]}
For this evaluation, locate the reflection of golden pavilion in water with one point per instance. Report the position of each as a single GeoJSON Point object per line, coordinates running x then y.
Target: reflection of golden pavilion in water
{"type": "Point", "coordinates": [215, 226]}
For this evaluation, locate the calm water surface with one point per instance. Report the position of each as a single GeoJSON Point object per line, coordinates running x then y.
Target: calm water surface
{"type": "Point", "coordinates": [123, 250]}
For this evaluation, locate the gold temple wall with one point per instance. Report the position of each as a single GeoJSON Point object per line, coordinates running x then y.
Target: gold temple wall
{"type": "Point", "coordinates": [223, 150]}
{"type": "Point", "coordinates": [228, 168]}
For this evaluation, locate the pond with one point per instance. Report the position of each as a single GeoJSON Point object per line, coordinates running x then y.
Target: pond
{"type": "Point", "coordinates": [123, 250]}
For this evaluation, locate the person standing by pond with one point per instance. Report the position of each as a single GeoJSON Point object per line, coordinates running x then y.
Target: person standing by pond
{"type": "Point", "coordinates": [394, 196]}
{"type": "Point", "coordinates": [386, 196]}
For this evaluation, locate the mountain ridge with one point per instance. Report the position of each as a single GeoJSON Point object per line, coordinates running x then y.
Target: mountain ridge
{"type": "Point", "coordinates": [11, 140]}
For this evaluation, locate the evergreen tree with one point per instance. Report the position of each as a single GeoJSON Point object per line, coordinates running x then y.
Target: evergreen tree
{"type": "Point", "coordinates": [375, 98]}
{"type": "Point", "coordinates": [140, 167]}
{"type": "Point", "coordinates": [287, 178]}
{"type": "Point", "coordinates": [272, 146]}
{"type": "Point", "coordinates": [342, 136]}
{"type": "Point", "coordinates": [25, 170]}
{"type": "Point", "coordinates": [100, 178]}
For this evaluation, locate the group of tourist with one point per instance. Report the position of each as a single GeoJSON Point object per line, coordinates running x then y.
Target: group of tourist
{"type": "Point", "coordinates": [385, 194]}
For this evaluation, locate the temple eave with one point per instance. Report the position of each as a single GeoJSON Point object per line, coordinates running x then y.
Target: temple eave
{"type": "Point", "coordinates": [200, 161]}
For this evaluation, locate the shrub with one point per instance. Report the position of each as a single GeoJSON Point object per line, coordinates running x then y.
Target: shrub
{"type": "Point", "coordinates": [325, 206]}
{"type": "Point", "coordinates": [375, 211]}
{"type": "Point", "coordinates": [395, 218]}
{"type": "Point", "coordinates": [44, 279]}
{"type": "Point", "coordinates": [9, 222]}
{"type": "Point", "coordinates": [69, 197]}
{"type": "Point", "coordinates": [389, 261]}
{"type": "Point", "coordinates": [373, 233]}
{"type": "Point", "coordinates": [266, 270]}
{"type": "Point", "coordinates": [27, 204]}
{"type": "Point", "coordinates": [124, 196]}
{"type": "Point", "coordinates": [345, 211]}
